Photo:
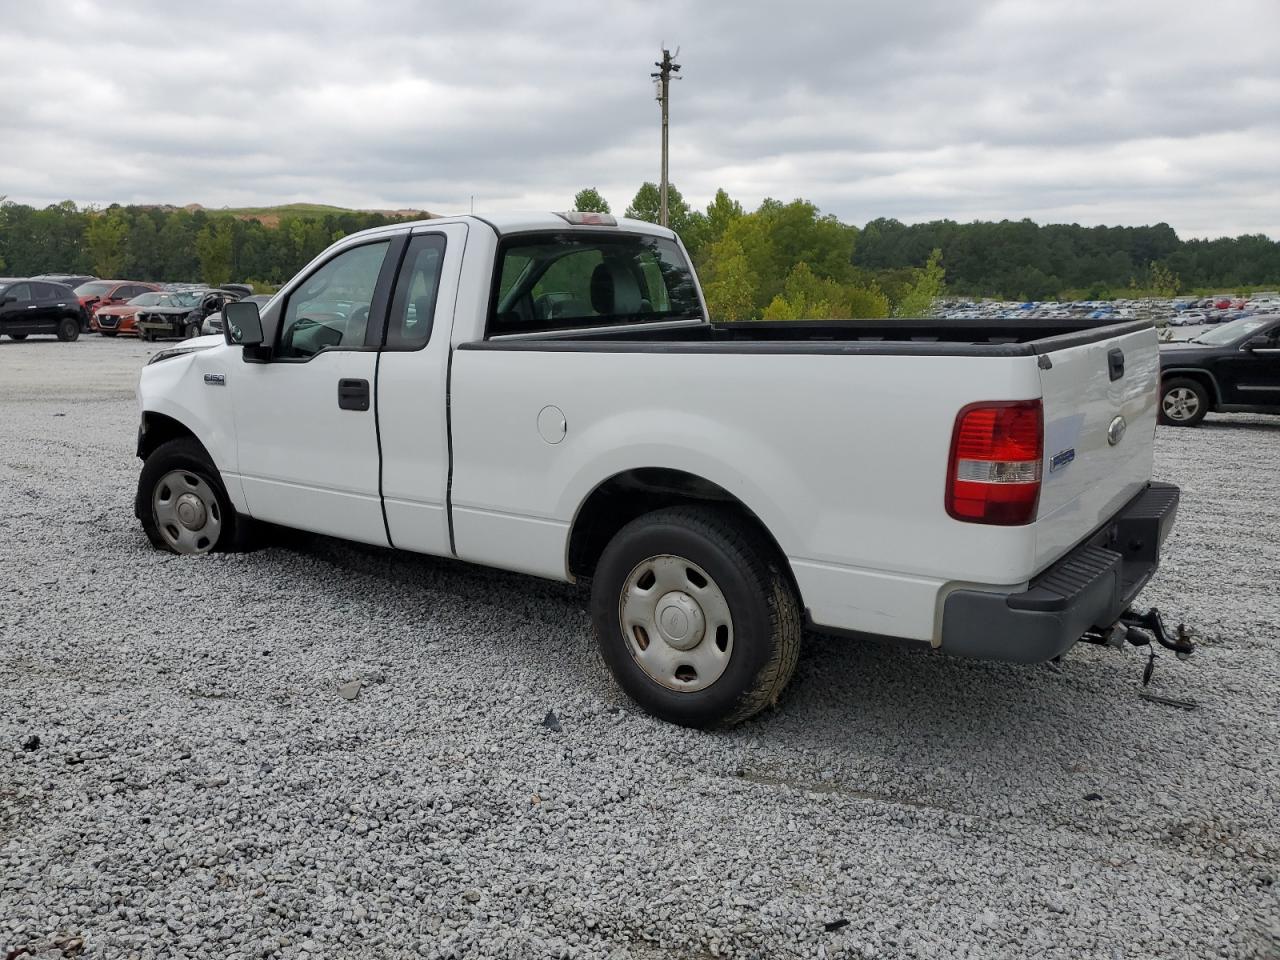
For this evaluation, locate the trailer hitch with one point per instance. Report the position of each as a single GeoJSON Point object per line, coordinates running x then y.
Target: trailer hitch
{"type": "Point", "coordinates": [1139, 629]}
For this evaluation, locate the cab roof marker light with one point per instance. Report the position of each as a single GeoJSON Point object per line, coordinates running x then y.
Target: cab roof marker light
{"type": "Point", "coordinates": [587, 218]}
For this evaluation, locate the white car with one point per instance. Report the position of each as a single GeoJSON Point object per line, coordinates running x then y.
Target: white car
{"type": "Point", "coordinates": [544, 393]}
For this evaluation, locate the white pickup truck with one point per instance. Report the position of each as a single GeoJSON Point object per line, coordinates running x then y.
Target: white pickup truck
{"type": "Point", "coordinates": [544, 393]}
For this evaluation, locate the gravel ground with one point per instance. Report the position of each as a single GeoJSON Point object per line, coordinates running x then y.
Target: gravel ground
{"type": "Point", "coordinates": [202, 788]}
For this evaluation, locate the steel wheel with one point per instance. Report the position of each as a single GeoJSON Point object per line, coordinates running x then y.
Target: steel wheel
{"type": "Point", "coordinates": [676, 622]}
{"type": "Point", "coordinates": [1180, 404]}
{"type": "Point", "coordinates": [186, 512]}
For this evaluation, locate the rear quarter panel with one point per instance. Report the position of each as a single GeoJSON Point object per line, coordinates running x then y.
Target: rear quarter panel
{"type": "Point", "coordinates": [843, 458]}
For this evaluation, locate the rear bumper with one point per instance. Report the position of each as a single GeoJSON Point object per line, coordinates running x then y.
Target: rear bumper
{"type": "Point", "coordinates": [1089, 587]}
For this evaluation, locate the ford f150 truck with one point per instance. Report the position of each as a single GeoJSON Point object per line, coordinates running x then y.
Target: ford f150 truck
{"type": "Point", "coordinates": [545, 393]}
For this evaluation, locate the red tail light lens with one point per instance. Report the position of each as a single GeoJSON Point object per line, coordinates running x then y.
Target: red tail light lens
{"type": "Point", "coordinates": [994, 472]}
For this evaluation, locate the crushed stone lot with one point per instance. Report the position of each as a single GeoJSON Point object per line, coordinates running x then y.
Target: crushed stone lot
{"type": "Point", "coordinates": [182, 773]}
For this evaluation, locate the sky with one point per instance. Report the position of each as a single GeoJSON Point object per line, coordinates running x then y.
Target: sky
{"type": "Point", "coordinates": [1086, 111]}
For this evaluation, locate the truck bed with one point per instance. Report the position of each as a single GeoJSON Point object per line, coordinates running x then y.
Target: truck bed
{"type": "Point", "coordinates": [925, 337]}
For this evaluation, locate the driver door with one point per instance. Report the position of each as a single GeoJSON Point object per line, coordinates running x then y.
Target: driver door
{"type": "Point", "coordinates": [306, 433]}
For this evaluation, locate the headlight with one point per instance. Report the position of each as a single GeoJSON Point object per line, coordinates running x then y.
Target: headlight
{"type": "Point", "coordinates": [177, 352]}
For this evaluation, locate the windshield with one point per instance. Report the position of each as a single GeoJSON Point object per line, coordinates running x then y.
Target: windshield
{"type": "Point", "coordinates": [147, 300]}
{"type": "Point", "coordinates": [95, 289]}
{"type": "Point", "coordinates": [1231, 332]}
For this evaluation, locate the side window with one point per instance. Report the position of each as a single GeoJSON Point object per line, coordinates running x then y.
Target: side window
{"type": "Point", "coordinates": [587, 279]}
{"type": "Point", "coordinates": [43, 291]}
{"type": "Point", "coordinates": [413, 307]}
{"type": "Point", "coordinates": [331, 307]}
{"type": "Point", "coordinates": [21, 292]}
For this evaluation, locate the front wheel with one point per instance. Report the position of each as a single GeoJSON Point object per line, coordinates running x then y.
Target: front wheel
{"type": "Point", "coordinates": [1183, 402]}
{"type": "Point", "coordinates": [191, 330]}
{"type": "Point", "coordinates": [183, 505]}
{"type": "Point", "coordinates": [695, 616]}
{"type": "Point", "coordinates": [68, 329]}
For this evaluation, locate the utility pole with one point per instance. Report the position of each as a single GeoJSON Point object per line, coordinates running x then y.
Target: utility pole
{"type": "Point", "coordinates": [666, 67]}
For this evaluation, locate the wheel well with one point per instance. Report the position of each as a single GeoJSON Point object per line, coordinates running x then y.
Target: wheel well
{"type": "Point", "coordinates": [1206, 381]}
{"type": "Point", "coordinates": [625, 496]}
{"type": "Point", "coordinates": [157, 429]}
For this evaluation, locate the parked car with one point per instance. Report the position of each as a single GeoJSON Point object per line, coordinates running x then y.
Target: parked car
{"type": "Point", "coordinates": [38, 307]}
{"type": "Point", "coordinates": [213, 322]}
{"type": "Point", "coordinates": [1233, 368]}
{"type": "Point", "coordinates": [109, 293]}
{"type": "Point", "coordinates": [185, 305]}
{"type": "Point", "coordinates": [991, 497]}
{"type": "Point", "coordinates": [183, 314]}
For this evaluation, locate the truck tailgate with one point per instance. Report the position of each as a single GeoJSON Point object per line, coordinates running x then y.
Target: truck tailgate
{"type": "Point", "coordinates": [1099, 433]}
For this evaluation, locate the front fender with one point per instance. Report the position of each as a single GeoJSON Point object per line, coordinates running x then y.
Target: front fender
{"type": "Point", "coordinates": [193, 390]}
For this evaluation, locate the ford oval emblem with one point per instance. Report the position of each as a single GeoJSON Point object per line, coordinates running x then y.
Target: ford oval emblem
{"type": "Point", "coordinates": [1115, 432]}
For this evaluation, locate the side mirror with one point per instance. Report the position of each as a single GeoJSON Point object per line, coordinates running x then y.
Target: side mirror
{"type": "Point", "coordinates": [9, 299]}
{"type": "Point", "coordinates": [241, 324]}
{"type": "Point", "coordinates": [1256, 343]}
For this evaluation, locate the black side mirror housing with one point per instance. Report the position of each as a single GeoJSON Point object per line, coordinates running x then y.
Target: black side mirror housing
{"type": "Point", "coordinates": [1256, 343]}
{"type": "Point", "coordinates": [242, 324]}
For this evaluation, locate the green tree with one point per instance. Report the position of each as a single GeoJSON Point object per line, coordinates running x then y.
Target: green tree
{"type": "Point", "coordinates": [721, 212]}
{"type": "Point", "coordinates": [107, 236]}
{"type": "Point", "coordinates": [729, 286]}
{"type": "Point", "coordinates": [919, 298]}
{"type": "Point", "coordinates": [214, 246]}
{"type": "Point", "coordinates": [589, 200]}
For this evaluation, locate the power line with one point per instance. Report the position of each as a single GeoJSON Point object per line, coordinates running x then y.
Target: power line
{"type": "Point", "coordinates": [666, 67]}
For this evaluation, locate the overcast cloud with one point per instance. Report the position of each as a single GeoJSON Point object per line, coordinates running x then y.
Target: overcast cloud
{"type": "Point", "coordinates": [1089, 111]}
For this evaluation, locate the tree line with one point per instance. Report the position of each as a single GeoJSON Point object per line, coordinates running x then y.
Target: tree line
{"type": "Point", "coordinates": [782, 260]}
{"type": "Point", "coordinates": [168, 244]}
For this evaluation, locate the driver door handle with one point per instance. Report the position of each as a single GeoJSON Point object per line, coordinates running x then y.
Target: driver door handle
{"type": "Point", "coordinates": [353, 394]}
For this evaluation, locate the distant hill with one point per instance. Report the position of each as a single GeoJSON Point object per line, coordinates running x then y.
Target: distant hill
{"type": "Point", "coordinates": [270, 216]}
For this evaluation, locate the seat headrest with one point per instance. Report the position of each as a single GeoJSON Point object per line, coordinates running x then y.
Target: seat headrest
{"type": "Point", "coordinates": [614, 290]}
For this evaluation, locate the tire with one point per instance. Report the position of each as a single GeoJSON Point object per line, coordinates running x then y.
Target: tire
{"type": "Point", "coordinates": [191, 330]}
{"type": "Point", "coordinates": [68, 329]}
{"type": "Point", "coordinates": [176, 475]}
{"type": "Point", "coordinates": [1183, 402]}
{"type": "Point", "coordinates": [17, 336]}
{"type": "Point", "coordinates": [726, 589]}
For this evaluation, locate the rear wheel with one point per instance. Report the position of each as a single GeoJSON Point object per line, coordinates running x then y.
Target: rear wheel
{"type": "Point", "coordinates": [17, 336]}
{"type": "Point", "coordinates": [1183, 402]}
{"type": "Point", "coordinates": [182, 504]}
{"type": "Point", "coordinates": [695, 617]}
{"type": "Point", "coordinates": [68, 329]}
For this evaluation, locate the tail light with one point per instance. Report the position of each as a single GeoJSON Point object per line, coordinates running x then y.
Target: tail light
{"type": "Point", "coordinates": [994, 472]}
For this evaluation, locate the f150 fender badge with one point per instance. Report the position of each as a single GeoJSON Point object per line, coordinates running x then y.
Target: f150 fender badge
{"type": "Point", "coordinates": [1115, 432]}
{"type": "Point", "coordinates": [1060, 460]}
{"type": "Point", "coordinates": [216, 379]}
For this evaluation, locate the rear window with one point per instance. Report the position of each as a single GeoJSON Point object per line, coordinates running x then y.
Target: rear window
{"type": "Point", "coordinates": [578, 280]}
{"type": "Point", "coordinates": [95, 289]}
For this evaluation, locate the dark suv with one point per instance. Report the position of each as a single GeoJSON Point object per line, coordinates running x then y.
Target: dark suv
{"type": "Point", "coordinates": [37, 306]}
{"type": "Point", "coordinates": [1234, 368]}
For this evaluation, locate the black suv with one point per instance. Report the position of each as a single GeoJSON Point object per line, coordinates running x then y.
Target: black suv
{"type": "Point", "coordinates": [1234, 368]}
{"type": "Point", "coordinates": [37, 306]}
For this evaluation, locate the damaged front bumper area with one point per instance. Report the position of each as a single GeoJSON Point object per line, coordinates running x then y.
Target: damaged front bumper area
{"type": "Point", "coordinates": [1087, 591]}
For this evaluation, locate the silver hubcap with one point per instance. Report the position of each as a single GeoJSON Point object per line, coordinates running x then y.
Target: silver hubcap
{"type": "Point", "coordinates": [186, 511]}
{"type": "Point", "coordinates": [676, 623]}
{"type": "Point", "coordinates": [1181, 403]}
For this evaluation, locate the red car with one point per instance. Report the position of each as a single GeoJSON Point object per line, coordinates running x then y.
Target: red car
{"type": "Point", "coordinates": [123, 317]}
{"type": "Point", "coordinates": [1222, 303]}
{"type": "Point", "coordinates": [108, 293]}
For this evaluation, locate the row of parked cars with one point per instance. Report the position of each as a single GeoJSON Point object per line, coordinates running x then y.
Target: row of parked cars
{"type": "Point", "coordinates": [65, 305]}
{"type": "Point", "coordinates": [1177, 312]}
